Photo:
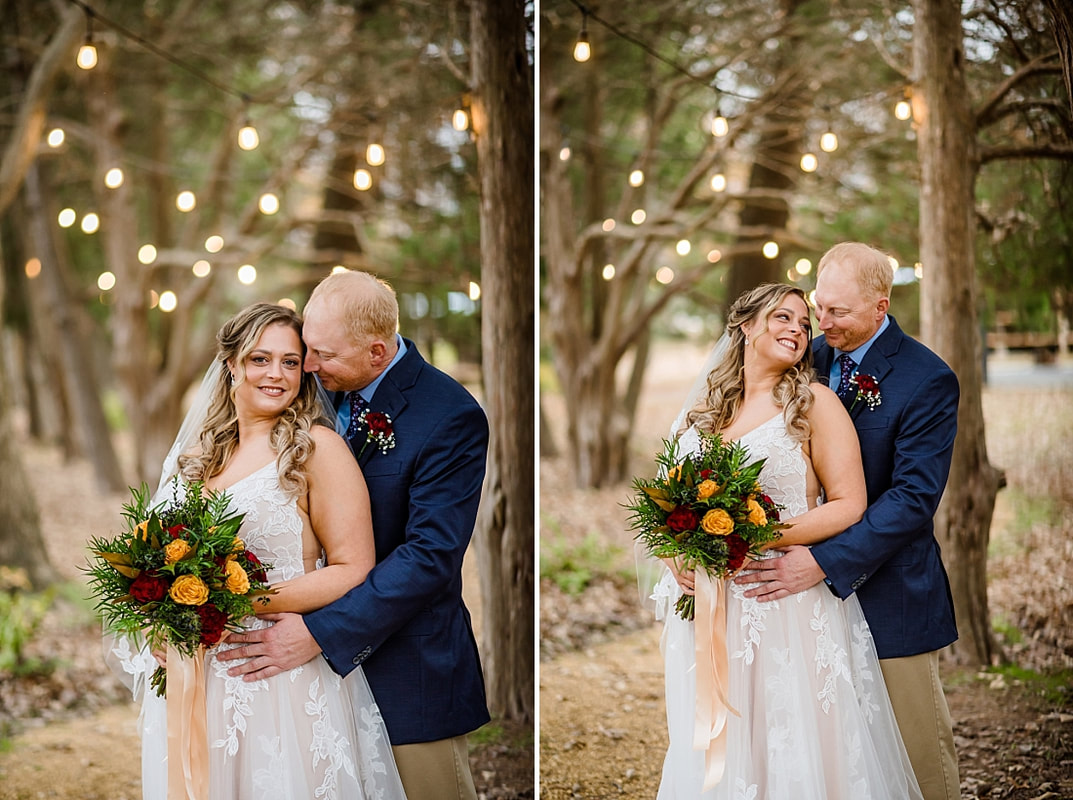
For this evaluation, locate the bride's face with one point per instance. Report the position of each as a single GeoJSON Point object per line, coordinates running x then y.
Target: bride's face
{"type": "Point", "coordinates": [784, 336]}
{"type": "Point", "coordinates": [273, 373]}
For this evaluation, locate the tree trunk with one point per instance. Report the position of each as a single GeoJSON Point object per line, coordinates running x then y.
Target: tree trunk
{"type": "Point", "coordinates": [503, 125]}
{"type": "Point", "coordinates": [78, 381]}
{"type": "Point", "coordinates": [21, 545]}
{"type": "Point", "coordinates": [946, 137]}
{"type": "Point", "coordinates": [1062, 16]}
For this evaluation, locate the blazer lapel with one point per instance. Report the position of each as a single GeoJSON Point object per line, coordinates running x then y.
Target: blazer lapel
{"type": "Point", "coordinates": [877, 361]}
{"type": "Point", "coordinates": [390, 395]}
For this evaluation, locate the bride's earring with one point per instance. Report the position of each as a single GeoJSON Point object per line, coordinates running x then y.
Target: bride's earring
{"type": "Point", "coordinates": [746, 341]}
{"type": "Point", "coordinates": [233, 381]}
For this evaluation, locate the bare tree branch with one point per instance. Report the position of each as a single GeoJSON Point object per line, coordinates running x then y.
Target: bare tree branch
{"type": "Point", "coordinates": [1042, 65]}
{"type": "Point", "coordinates": [1062, 152]}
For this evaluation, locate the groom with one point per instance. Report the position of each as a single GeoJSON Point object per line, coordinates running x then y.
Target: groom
{"type": "Point", "coordinates": [406, 625]}
{"type": "Point", "coordinates": [891, 557]}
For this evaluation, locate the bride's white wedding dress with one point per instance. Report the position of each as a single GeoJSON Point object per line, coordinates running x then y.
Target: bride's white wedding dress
{"type": "Point", "coordinates": [816, 722]}
{"type": "Point", "coordinates": [306, 733]}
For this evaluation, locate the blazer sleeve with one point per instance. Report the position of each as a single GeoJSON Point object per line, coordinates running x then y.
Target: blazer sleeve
{"type": "Point", "coordinates": [918, 469]}
{"type": "Point", "coordinates": [442, 499]}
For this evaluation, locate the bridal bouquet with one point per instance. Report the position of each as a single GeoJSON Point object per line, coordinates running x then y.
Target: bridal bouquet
{"type": "Point", "coordinates": [706, 510]}
{"type": "Point", "coordinates": [179, 575]}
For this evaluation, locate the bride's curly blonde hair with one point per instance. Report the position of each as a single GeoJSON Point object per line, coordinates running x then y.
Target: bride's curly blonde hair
{"type": "Point", "coordinates": [290, 437]}
{"type": "Point", "coordinates": [719, 404]}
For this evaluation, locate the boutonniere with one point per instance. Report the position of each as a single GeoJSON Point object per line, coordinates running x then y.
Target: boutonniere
{"type": "Point", "coordinates": [867, 390]}
{"type": "Point", "coordinates": [378, 430]}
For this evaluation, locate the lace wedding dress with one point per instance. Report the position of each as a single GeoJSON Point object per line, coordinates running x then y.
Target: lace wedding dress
{"type": "Point", "coordinates": [306, 733]}
{"type": "Point", "coordinates": [815, 720]}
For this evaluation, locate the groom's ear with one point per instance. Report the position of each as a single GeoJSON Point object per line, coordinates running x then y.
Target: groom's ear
{"type": "Point", "coordinates": [378, 354]}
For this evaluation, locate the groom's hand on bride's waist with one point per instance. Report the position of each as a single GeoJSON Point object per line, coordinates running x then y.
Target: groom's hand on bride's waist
{"type": "Point", "coordinates": [282, 646]}
{"type": "Point", "coordinates": [776, 578]}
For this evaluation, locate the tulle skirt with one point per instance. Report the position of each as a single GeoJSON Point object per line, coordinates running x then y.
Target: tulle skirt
{"type": "Point", "coordinates": [815, 719]}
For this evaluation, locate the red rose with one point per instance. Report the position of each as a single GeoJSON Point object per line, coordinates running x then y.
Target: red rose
{"type": "Point", "coordinates": [867, 384]}
{"type": "Point", "coordinates": [682, 519]}
{"type": "Point", "coordinates": [769, 507]}
{"type": "Point", "coordinates": [175, 531]}
{"type": "Point", "coordinates": [149, 587]}
{"type": "Point", "coordinates": [213, 622]}
{"type": "Point", "coordinates": [737, 550]}
{"type": "Point", "coordinates": [256, 570]}
{"type": "Point", "coordinates": [705, 474]}
{"type": "Point", "coordinates": [378, 422]}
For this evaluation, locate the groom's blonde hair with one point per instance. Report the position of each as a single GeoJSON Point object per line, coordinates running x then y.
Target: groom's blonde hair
{"type": "Point", "coordinates": [871, 267]}
{"type": "Point", "coordinates": [366, 305]}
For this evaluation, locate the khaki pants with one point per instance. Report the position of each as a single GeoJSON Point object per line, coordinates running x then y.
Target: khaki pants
{"type": "Point", "coordinates": [436, 770]}
{"type": "Point", "coordinates": [924, 721]}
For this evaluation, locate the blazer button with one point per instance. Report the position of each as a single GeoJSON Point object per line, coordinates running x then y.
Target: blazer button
{"type": "Point", "coordinates": [364, 654]}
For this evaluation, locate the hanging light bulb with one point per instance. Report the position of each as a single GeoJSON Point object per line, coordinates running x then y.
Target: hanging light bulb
{"type": "Point", "coordinates": [113, 178]}
{"type": "Point", "coordinates": [268, 204]}
{"type": "Point", "coordinates": [902, 110]}
{"type": "Point", "coordinates": [186, 201]}
{"type": "Point", "coordinates": [719, 182]}
{"type": "Point", "coordinates": [460, 119]}
{"type": "Point", "coordinates": [363, 180]}
{"type": "Point", "coordinates": [720, 126]}
{"type": "Point", "coordinates": [87, 53]}
{"type": "Point", "coordinates": [809, 162]}
{"type": "Point", "coordinates": [56, 137]}
{"type": "Point", "coordinates": [87, 56]}
{"type": "Point", "coordinates": [247, 137]}
{"type": "Point", "coordinates": [637, 177]}
{"type": "Point", "coordinates": [829, 142]}
{"type": "Point", "coordinates": [582, 48]}
{"type": "Point", "coordinates": [374, 154]}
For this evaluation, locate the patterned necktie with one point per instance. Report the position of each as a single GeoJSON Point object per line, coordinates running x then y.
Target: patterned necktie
{"type": "Point", "coordinates": [847, 363]}
{"type": "Point", "coordinates": [357, 404]}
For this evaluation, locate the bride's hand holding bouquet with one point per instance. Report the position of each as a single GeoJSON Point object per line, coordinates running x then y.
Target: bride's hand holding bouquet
{"type": "Point", "coordinates": [705, 511]}
{"type": "Point", "coordinates": [178, 577]}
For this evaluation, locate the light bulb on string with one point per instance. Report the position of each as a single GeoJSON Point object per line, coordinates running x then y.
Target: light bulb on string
{"type": "Point", "coordinates": [829, 141]}
{"type": "Point", "coordinates": [363, 180]}
{"type": "Point", "coordinates": [582, 48]}
{"type": "Point", "coordinates": [809, 162]}
{"type": "Point", "coordinates": [720, 126]}
{"type": "Point", "coordinates": [113, 178]}
{"type": "Point", "coordinates": [56, 137]}
{"type": "Point", "coordinates": [770, 249]}
{"type": "Point", "coordinates": [67, 218]}
{"type": "Point", "coordinates": [719, 182]}
{"type": "Point", "coordinates": [87, 53]}
{"type": "Point", "coordinates": [186, 201]}
{"type": "Point", "coordinates": [91, 223]}
{"type": "Point", "coordinates": [460, 119]}
{"type": "Point", "coordinates": [902, 110]}
{"type": "Point", "coordinates": [374, 154]}
{"type": "Point", "coordinates": [268, 204]}
{"type": "Point", "coordinates": [637, 177]}
{"type": "Point", "coordinates": [247, 137]}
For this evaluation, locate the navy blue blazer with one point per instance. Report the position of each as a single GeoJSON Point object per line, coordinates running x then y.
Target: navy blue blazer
{"type": "Point", "coordinates": [406, 625]}
{"type": "Point", "coordinates": [891, 557]}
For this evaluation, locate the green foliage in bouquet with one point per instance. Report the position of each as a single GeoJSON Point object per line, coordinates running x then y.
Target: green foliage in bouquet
{"type": "Point", "coordinates": [179, 575]}
{"type": "Point", "coordinates": [706, 510]}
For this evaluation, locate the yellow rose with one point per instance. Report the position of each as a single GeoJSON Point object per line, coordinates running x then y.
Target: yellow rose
{"type": "Point", "coordinates": [756, 513]}
{"type": "Point", "coordinates": [675, 472]}
{"type": "Point", "coordinates": [706, 489]}
{"type": "Point", "coordinates": [189, 590]}
{"type": "Point", "coordinates": [238, 546]}
{"type": "Point", "coordinates": [717, 522]}
{"type": "Point", "coordinates": [176, 550]}
{"type": "Point", "coordinates": [142, 531]}
{"type": "Point", "coordinates": [238, 582]}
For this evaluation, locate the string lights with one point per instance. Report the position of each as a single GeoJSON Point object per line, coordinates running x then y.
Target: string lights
{"type": "Point", "coordinates": [87, 53]}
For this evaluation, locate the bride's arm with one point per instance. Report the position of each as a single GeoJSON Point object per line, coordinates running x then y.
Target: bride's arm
{"type": "Point", "coordinates": [836, 459]}
{"type": "Point", "coordinates": [342, 521]}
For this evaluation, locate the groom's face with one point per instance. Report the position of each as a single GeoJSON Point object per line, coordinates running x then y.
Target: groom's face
{"type": "Point", "coordinates": [846, 316]}
{"type": "Point", "coordinates": [341, 364]}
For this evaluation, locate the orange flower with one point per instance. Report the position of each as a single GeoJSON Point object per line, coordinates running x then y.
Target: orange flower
{"type": "Point", "coordinates": [756, 513]}
{"type": "Point", "coordinates": [176, 550]}
{"type": "Point", "coordinates": [238, 582]}
{"type": "Point", "coordinates": [189, 590]}
{"type": "Point", "coordinates": [706, 489]}
{"type": "Point", "coordinates": [717, 522]}
{"type": "Point", "coordinates": [142, 531]}
{"type": "Point", "coordinates": [675, 472]}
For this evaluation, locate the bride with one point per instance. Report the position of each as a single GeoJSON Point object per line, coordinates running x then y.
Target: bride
{"type": "Point", "coordinates": [254, 432]}
{"type": "Point", "coordinates": [810, 715]}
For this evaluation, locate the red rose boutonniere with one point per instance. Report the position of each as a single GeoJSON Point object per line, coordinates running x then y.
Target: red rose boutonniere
{"type": "Point", "coordinates": [379, 430]}
{"type": "Point", "coordinates": [867, 390]}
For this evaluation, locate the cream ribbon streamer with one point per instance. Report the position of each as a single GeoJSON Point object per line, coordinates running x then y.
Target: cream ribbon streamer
{"type": "Point", "coordinates": [188, 735]}
{"type": "Point", "coordinates": [713, 668]}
